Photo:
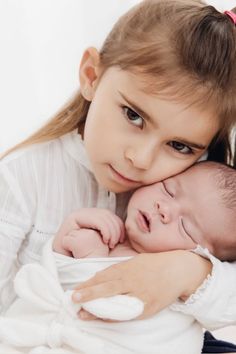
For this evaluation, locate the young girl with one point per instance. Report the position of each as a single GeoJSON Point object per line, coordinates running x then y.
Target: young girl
{"type": "Point", "coordinates": [158, 95]}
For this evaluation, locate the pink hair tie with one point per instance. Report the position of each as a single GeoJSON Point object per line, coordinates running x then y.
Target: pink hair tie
{"type": "Point", "coordinates": [231, 15]}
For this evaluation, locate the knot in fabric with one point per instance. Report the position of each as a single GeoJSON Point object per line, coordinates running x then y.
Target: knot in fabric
{"type": "Point", "coordinates": [65, 315]}
{"type": "Point", "coordinates": [54, 335]}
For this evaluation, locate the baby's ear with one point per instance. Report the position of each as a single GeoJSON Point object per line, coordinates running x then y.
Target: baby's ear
{"type": "Point", "coordinates": [89, 72]}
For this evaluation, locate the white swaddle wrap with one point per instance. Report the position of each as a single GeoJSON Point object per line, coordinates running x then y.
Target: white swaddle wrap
{"type": "Point", "coordinates": [43, 319]}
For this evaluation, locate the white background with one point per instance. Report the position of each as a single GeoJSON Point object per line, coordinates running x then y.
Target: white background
{"type": "Point", "coordinates": [41, 43]}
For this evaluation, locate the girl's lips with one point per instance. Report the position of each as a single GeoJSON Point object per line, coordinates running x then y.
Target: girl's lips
{"type": "Point", "coordinates": [143, 221]}
{"type": "Point", "coordinates": [122, 178]}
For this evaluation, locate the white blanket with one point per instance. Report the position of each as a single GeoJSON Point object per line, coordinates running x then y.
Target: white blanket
{"type": "Point", "coordinates": [43, 319]}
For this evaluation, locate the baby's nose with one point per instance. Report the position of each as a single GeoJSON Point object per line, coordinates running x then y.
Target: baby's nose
{"type": "Point", "coordinates": [163, 212]}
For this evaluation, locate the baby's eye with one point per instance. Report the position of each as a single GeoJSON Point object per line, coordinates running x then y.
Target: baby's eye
{"type": "Point", "coordinates": [185, 230]}
{"type": "Point", "coordinates": [133, 117]}
{"type": "Point", "coordinates": [167, 189]}
{"type": "Point", "coordinates": [180, 147]}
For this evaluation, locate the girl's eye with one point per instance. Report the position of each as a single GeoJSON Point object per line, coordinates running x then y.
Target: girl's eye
{"type": "Point", "coordinates": [133, 117]}
{"type": "Point", "coordinates": [180, 147]}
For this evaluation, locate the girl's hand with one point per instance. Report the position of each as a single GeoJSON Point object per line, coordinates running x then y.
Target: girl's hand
{"type": "Point", "coordinates": [157, 279]}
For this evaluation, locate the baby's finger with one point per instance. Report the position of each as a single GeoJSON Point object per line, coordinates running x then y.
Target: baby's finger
{"type": "Point", "coordinates": [122, 231]}
{"type": "Point", "coordinates": [114, 232]}
{"type": "Point", "coordinates": [109, 231]}
{"type": "Point", "coordinates": [117, 231]}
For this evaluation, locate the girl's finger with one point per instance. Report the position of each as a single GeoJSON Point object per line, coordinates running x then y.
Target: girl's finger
{"type": "Point", "coordinates": [85, 315]}
{"type": "Point", "coordinates": [112, 273]}
{"type": "Point", "coordinates": [97, 291]}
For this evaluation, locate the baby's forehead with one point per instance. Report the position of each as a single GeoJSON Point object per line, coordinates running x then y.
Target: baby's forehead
{"type": "Point", "coordinates": [207, 173]}
{"type": "Point", "coordinates": [204, 167]}
{"type": "Point", "coordinates": [216, 190]}
{"type": "Point", "coordinates": [201, 186]}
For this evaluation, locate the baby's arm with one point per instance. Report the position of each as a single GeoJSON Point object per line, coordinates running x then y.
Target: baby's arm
{"type": "Point", "coordinates": [88, 232]}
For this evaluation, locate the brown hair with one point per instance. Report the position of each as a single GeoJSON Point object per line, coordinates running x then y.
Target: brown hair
{"type": "Point", "coordinates": [225, 178]}
{"type": "Point", "coordinates": [182, 47]}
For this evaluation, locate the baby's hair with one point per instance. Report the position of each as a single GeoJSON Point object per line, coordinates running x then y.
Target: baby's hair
{"type": "Point", "coordinates": [224, 178]}
{"type": "Point", "coordinates": [184, 49]}
{"type": "Point", "coordinates": [226, 182]}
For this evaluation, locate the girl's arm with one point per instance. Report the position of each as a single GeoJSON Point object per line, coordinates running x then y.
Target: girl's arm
{"type": "Point", "coordinates": [157, 279]}
{"type": "Point", "coordinates": [214, 302]}
{"type": "Point", "coordinates": [203, 289]}
{"type": "Point", "coordinates": [15, 223]}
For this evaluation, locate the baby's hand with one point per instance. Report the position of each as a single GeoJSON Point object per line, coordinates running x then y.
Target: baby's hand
{"type": "Point", "coordinates": [84, 243]}
{"type": "Point", "coordinates": [110, 226]}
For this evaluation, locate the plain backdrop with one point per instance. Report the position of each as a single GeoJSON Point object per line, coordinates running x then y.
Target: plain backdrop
{"type": "Point", "coordinates": [41, 43]}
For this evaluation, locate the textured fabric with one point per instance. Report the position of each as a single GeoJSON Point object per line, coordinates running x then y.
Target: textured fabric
{"type": "Point", "coordinates": [39, 187]}
{"type": "Point", "coordinates": [44, 315]}
{"type": "Point", "coordinates": [214, 302]}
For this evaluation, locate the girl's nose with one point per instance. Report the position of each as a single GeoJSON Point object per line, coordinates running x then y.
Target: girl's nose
{"type": "Point", "coordinates": [141, 157]}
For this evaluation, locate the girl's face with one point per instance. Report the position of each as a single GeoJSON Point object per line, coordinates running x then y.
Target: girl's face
{"type": "Point", "coordinates": [134, 138]}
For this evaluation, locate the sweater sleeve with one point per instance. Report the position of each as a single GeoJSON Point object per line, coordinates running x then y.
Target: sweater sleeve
{"type": "Point", "coordinates": [15, 223]}
{"type": "Point", "coordinates": [214, 302]}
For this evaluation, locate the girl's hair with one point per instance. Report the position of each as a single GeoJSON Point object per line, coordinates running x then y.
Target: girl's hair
{"type": "Point", "coordinates": [185, 50]}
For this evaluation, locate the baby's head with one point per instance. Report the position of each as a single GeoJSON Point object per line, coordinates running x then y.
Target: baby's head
{"type": "Point", "coordinates": [196, 207]}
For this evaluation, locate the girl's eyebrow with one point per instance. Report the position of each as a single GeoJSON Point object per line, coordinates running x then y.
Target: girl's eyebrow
{"type": "Point", "coordinates": [149, 119]}
{"type": "Point", "coordinates": [190, 143]}
{"type": "Point", "coordinates": [137, 109]}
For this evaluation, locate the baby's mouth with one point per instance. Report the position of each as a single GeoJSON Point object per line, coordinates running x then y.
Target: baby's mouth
{"type": "Point", "coordinates": [144, 221]}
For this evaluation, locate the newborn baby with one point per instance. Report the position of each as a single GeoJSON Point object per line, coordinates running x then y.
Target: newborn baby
{"type": "Point", "coordinates": [196, 207]}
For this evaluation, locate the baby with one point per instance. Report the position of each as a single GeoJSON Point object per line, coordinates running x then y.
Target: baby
{"type": "Point", "coordinates": [196, 207]}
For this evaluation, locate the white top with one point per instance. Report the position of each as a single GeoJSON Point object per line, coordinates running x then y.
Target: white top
{"type": "Point", "coordinates": [40, 185]}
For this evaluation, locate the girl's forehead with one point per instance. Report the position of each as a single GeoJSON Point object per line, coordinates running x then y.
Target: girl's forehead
{"type": "Point", "coordinates": [172, 117]}
{"type": "Point", "coordinates": [144, 86]}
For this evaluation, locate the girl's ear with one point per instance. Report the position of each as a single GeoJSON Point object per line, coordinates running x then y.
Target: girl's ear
{"type": "Point", "coordinates": [89, 73]}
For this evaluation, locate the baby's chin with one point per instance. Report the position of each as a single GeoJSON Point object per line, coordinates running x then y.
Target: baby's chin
{"type": "Point", "coordinates": [135, 245]}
